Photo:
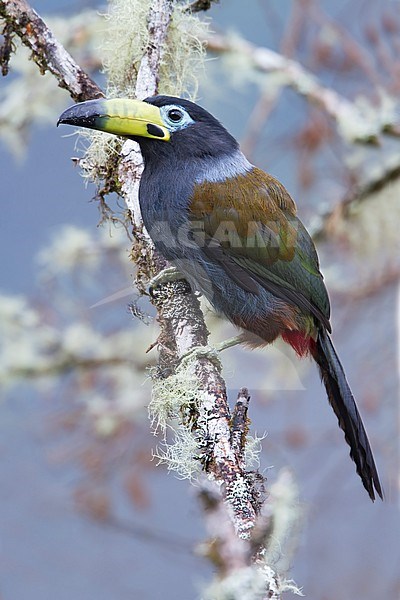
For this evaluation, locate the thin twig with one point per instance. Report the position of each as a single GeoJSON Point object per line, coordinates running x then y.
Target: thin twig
{"type": "Point", "coordinates": [67, 364]}
{"type": "Point", "coordinates": [240, 425]}
{"type": "Point", "coordinates": [199, 5]}
{"type": "Point", "coordinates": [354, 196]}
{"type": "Point", "coordinates": [353, 125]}
{"type": "Point", "coordinates": [47, 52]}
{"type": "Point", "coordinates": [226, 550]}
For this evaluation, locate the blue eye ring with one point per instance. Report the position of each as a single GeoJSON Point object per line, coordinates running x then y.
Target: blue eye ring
{"type": "Point", "coordinates": [175, 117]}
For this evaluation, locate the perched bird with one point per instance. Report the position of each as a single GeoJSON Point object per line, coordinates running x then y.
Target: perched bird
{"type": "Point", "coordinates": [232, 231]}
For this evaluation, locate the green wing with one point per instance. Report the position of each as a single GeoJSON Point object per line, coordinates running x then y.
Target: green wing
{"type": "Point", "coordinates": [251, 230]}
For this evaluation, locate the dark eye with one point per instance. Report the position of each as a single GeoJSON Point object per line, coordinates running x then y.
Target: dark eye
{"type": "Point", "coordinates": [175, 115]}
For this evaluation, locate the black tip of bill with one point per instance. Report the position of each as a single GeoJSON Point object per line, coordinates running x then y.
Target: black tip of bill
{"type": "Point", "coordinates": [84, 114]}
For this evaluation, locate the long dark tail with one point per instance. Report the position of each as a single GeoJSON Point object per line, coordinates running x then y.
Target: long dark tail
{"type": "Point", "coordinates": [343, 403]}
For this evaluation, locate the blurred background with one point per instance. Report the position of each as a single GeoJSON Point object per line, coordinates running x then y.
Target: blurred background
{"type": "Point", "coordinates": [84, 510]}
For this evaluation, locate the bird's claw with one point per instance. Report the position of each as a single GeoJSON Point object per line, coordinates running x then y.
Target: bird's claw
{"type": "Point", "coordinates": [229, 343]}
{"type": "Point", "coordinates": [168, 275]}
{"type": "Point", "coordinates": [210, 352]}
{"type": "Point", "coordinates": [200, 352]}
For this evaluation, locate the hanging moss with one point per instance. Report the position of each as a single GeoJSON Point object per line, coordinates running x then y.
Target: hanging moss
{"type": "Point", "coordinates": [125, 38]}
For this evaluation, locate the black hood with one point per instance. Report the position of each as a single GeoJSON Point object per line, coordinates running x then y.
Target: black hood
{"type": "Point", "coordinates": [205, 137]}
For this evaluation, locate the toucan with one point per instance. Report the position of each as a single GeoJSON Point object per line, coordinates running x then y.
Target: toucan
{"type": "Point", "coordinates": [232, 231]}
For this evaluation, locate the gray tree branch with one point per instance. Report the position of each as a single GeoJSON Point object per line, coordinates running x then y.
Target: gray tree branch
{"type": "Point", "coordinates": [47, 52]}
{"type": "Point", "coordinates": [352, 123]}
{"type": "Point", "coordinates": [183, 330]}
{"type": "Point", "coordinates": [179, 314]}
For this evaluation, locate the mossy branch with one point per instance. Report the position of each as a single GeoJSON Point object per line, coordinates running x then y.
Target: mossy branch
{"type": "Point", "coordinates": [47, 52]}
{"type": "Point", "coordinates": [220, 439]}
{"type": "Point", "coordinates": [361, 124]}
{"type": "Point", "coordinates": [179, 314]}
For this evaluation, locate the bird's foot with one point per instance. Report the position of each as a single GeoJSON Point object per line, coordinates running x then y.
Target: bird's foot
{"type": "Point", "coordinates": [210, 352]}
{"type": "Point", "coordinates": [168, 275]}
{"type": "Point", "coordinates": [229, 343]}
{"type": "Point", "coordinates": [200, 352]}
